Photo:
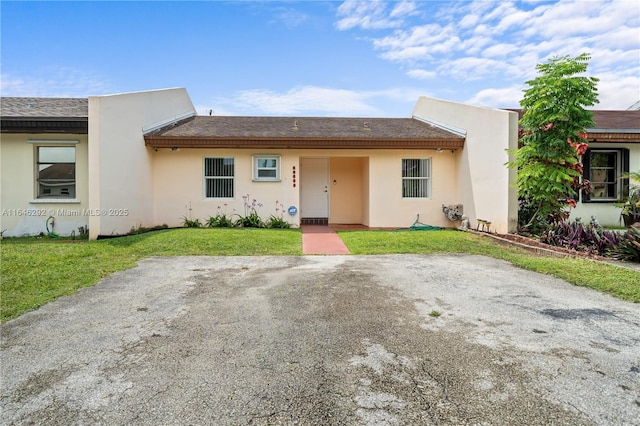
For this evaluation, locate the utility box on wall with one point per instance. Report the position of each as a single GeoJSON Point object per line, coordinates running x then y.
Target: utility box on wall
{"type": "Point", "coordinates": [453, 212]}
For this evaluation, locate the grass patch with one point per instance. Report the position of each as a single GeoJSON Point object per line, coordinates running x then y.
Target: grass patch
{"type": "Point", "coordinates": [34, 271]}
{"type": "Point", "coordinates": [619, 282]}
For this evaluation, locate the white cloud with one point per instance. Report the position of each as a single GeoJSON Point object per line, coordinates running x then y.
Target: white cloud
{"type": "Point", "coordinates": [54, 82]}
{"type": "Point", "coordinates": [407, 54]}
{"type": "Point", "coordinates": [419, 43]}
{"type": "Point", "coordinates": [301, 100]}
{"type": "Point", "coordinates": [503, 9]}
{"type": "Point", "coordinates": [570, 18]}
{"type": "Point", "coordinates": [472, 68]}
{"type": "Point", "coordinates": [403, 8]}
{"type": "Point", "coordinates": [500, 50]}
{"type": "Point", "coordinates": [498, 44]}
{"type": "Point", "coordinates": [366, 15]}
{"type": "Point", "coordinates": [506, 97]}
{"type": "Point", "coordinates": [421, 74]}
{"type": "Point", "coordinates": [475, 45]}
{"type": "Point", "coordinates": [621, 37]}
{"type": "Point", "coordinates": [618, 92]}
{"type": "Point", "coordinates": [469, 21]}
{"type": "Point", "coordinates": [313, 100]}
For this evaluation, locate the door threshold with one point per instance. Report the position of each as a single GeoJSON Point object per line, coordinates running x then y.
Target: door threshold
{"type": "Point", "coordinates": [314, 221]}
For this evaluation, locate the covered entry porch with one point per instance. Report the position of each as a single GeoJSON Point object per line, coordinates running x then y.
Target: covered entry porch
{"type": "Point", "coordinates": [334, 190]}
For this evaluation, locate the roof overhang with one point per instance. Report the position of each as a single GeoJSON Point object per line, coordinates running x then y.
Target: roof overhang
{"type": "Point", "coordinates": [302, 143]}
{"type": "Point", "coordinates": [602, 135]}
{"type": "Point", "coordinates": [75, 125]}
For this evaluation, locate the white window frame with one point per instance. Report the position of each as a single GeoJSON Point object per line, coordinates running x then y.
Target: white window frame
{"type": "Point", "coordinates": [424, 178]}
{"type": "Point", "coordinates": [212, 177]}
{"type": "Point", "coordinates": [55, 144]}
{"type": "Point", "coordinates": [255, 159]}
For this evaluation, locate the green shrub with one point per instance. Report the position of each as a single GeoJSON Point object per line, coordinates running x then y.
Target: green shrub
{"type": "Point", "coordinates": [277, 222]}
{"type": "Point", "coordinates": [191, 223]}
{"type": "Point", "coordinates": [629, 246]}
{"type": "Point", "coordinates": [251, 218]}
{"type": "Point", "coordinates": [220, 221]}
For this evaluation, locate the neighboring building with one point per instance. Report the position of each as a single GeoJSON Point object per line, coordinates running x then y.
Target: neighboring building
{"type": "Point", "coordinates": [43, 159]}
{"type": "Point", "coordinates": [148, 160]}
{"type": "Point", "coordinates": [614, 149]}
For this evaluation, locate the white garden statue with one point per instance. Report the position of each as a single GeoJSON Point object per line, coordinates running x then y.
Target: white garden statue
{"type": "Point", "coordinates": [464, 225]}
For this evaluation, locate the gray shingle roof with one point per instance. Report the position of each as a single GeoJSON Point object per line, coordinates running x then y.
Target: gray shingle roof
{"type": "Point", "coordinates": [303, 128]}
{"type": "Point", "coordinates": [44, 107]}
{"type": "Point", "coordinates": [619, 120]}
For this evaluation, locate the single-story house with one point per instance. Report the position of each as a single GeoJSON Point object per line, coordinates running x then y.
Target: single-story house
{"type": "Point", "coordinates": [44, 164]}
{"type": "Point", "coordinates": [117, 162]}
{"type": "Point", "coordinates": [614, 149]}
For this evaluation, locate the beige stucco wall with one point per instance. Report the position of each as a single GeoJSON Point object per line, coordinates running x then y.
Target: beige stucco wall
{"type": "Point", "coordinates": [121, 185]}
{"type": "Point", "coordinates": [484, 185]}
{"type": "Point", "coordinates": [179, 186]}
{"type": "Point", "coordinates": [22, 213]}
{"type": "Point", "coordinates": [607, 213]}
{"type": "Point", "coordinates": [367, 190]}
{"type": "Point", "coordinates": [387, 207]}
{"type": "Point", "coordinates": [346, 190]}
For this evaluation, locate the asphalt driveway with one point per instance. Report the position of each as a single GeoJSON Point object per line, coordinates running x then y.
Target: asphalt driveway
{"type": "Point", "coordinates": [399, 339]}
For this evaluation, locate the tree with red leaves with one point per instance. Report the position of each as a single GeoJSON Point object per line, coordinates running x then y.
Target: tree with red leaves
{"type": "Point", "coordinates": [552, 140]}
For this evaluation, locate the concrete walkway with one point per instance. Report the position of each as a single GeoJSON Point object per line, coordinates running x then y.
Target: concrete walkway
{"type": "Point", "coordinates": [319, 239]}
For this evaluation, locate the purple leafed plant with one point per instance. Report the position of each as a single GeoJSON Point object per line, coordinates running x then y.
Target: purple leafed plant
{"type": "Point", "coordinates": [583, 238]}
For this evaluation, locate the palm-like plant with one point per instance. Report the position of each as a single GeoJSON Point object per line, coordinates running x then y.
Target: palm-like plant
{"type": "Point", "coordinates": [631, 203]}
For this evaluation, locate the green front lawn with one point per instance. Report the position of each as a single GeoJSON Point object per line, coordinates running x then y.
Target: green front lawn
{"type": "Point", "coordinates": [619, 282]}
{"type": "Point", "coordinates": [36, 271]}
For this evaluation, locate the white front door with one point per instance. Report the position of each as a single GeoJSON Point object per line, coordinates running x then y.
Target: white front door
{"type": "Point", "coordinates": [314, 187]}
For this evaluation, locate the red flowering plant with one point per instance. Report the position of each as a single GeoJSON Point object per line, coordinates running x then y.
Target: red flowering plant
{"type": "Point", "coordinates": [552, 140]}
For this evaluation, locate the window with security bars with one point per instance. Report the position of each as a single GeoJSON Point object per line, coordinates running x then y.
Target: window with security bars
{"type": "Point", "coordinates": [219, 174]}
{"type": "Point", "coordinates": [416, 175]}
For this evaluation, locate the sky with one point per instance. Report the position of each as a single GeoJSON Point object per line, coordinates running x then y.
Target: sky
{"type": "Point", "coordinates": [315, 58]}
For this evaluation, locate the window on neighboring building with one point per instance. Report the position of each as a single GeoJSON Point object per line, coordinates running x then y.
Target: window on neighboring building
{"type": "Point", "coordinates": [266, 167]}
{"type": "Point", "coordinates": [56, 171]}
{"type": "Point", "coordinates": [416, 175]}
{"type": "Point", "coordinates": [604, 168]}
{"type": "Point", "coordinates": [219, 177]}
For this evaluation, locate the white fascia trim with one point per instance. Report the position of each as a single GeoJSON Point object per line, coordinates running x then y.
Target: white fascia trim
{"type": "Point", "coordinates": [449, 128]}
{"type": "Point", "coordinates": [55, 201]}
{"type": "Point", "coordinates": [54, 141]}
{"type": "Point", "coordinates": [613, 130]}
{"type": "Point", "coordinates": [157, 125]}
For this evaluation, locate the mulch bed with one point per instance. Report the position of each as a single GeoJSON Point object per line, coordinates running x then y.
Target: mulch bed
{"type": "Point", "coordinates": [539, 247]}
